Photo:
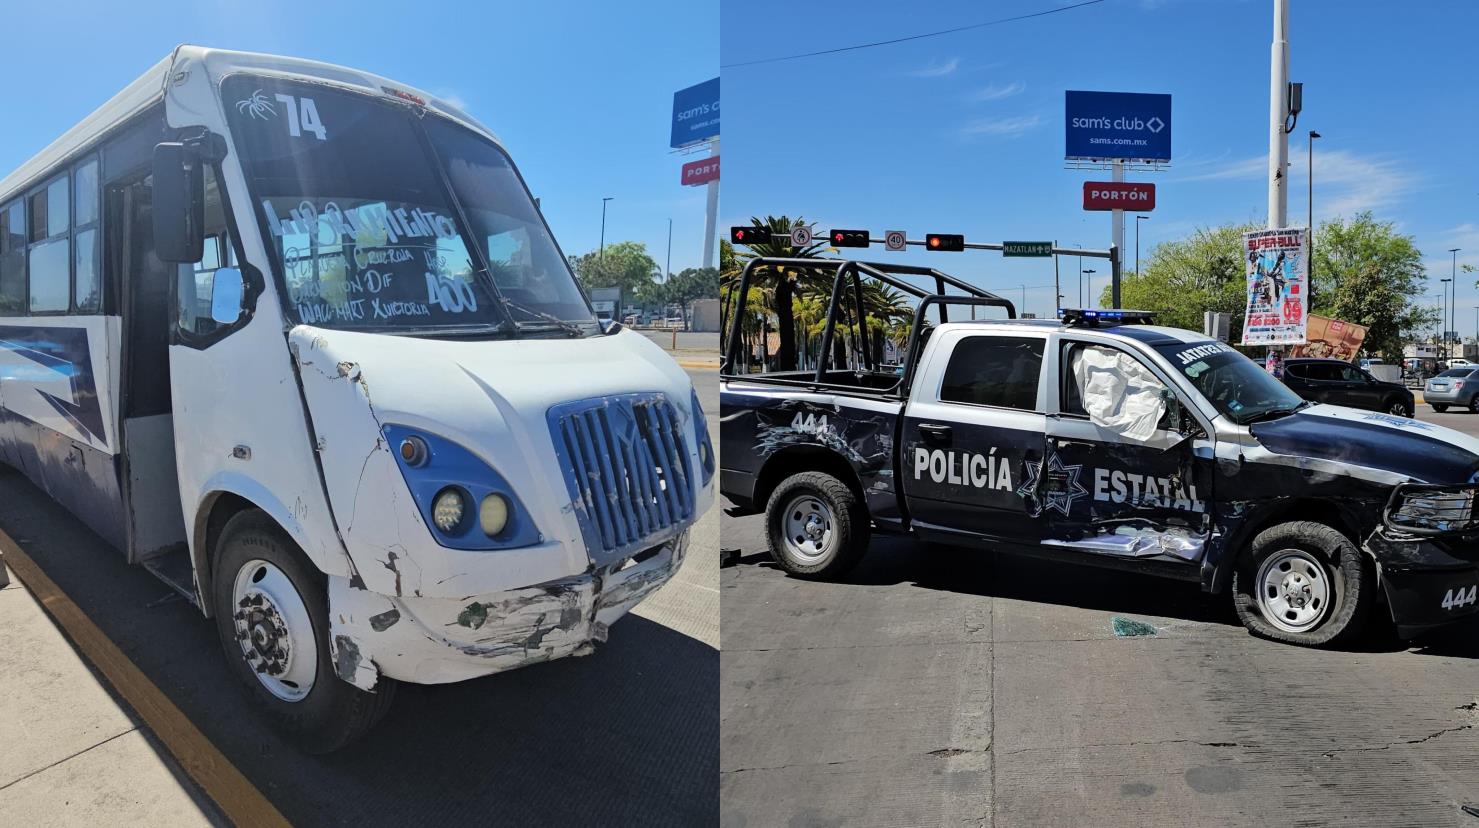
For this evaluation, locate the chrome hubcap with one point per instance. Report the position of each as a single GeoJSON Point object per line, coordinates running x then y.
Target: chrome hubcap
{"type": "Point", "coordinates": [808, 529]}
{"type": "Point", "coordinates": [1294, 590]}
{"type": "Point", "coordinates": [274, 630]}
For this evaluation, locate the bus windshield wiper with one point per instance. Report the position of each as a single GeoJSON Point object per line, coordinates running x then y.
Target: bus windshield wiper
{"type": "Point", "coordinates": [549, 320]}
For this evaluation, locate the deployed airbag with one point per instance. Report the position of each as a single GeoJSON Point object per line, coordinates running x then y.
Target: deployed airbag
{"type": "Point", "coordinates": [1118, 392]}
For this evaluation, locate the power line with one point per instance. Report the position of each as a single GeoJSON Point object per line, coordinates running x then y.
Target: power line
{"type": "Point", "coordinates": [912, 37]}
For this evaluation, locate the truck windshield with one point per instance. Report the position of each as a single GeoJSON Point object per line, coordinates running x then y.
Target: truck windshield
{"type": "Point", "coordinates": [1236, 386]}
{"type": "Point", "coordinates": [385, 218]}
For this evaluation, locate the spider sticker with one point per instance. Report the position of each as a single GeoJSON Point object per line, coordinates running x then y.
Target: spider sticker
{"type": "Point", "coordinates": [257, 106]}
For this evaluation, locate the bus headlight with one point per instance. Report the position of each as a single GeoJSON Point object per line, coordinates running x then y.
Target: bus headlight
{"type": "Point", "coordinates": [464, 502]}
{"type": "Point", "coordinates": [447, 510]}
{"type": "Point", "coordinates": [493, 514]}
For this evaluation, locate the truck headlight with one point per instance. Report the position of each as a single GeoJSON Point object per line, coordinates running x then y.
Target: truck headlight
{"type": "Point", "coordinates": [493, 514]}
{"type": "Point", "coordinates": [447, 510]}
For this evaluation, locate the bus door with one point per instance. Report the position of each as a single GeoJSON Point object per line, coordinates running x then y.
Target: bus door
{"type": "Point", "coordinates": [151, 492]}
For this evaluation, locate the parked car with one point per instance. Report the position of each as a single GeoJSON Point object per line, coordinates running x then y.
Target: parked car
{"type": "Point", "coordinates": [1341, 383]}
{"type": "Point", "coordinates": [1454, 387]}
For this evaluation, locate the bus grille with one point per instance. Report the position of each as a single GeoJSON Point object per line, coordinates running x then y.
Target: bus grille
{"type": "Point", "coordinates": [627, 470]}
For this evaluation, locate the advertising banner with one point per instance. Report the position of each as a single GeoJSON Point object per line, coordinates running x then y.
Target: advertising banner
{"type": "Point", "coordinates": [695, 114]}
{"type": "Point", "coordinates": [1277, 270]}
{"type": "Point", "coordinates": [1331, 338]}
{"type": "Point", "coordinates": [1129, 126]}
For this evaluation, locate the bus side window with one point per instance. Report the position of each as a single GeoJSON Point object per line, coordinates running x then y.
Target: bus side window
{"type": "Point", "coordinates": [13, 258]}
{"type": "Point", "coordinates": [193, 298]}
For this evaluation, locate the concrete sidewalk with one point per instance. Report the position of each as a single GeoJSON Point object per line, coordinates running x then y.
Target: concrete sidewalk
{"type": "Point", "coordinates": [71, 754]}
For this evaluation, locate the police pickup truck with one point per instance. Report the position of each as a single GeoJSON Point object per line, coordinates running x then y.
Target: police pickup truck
{"type": "Point", "coordinates": [1102, 440]}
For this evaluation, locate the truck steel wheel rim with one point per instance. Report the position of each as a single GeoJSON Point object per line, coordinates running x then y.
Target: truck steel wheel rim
{"type": "Point", "coordinates": [274, 630]}
{"type": "Point", "coordinates": [809, 532]}
{"type": "Point", "coordinates": [1294, 590]}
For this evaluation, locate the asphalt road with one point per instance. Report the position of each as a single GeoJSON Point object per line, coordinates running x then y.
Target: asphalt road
{"type": "Point", "coordinates": [627, 736]}
{"type": "Point", "coordinates": [941, 687]}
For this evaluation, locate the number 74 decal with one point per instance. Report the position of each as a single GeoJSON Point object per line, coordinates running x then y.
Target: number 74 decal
{"type": "Point", "coordinates": [1456, 598]}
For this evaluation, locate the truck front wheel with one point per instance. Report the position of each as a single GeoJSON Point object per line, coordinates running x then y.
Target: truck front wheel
{"type": "Point", "coordinates": [273, 621]}
{"type": "Point", "coordinates": [1304, 583]}
{"type": "Point", "coordinates": [817, 526]}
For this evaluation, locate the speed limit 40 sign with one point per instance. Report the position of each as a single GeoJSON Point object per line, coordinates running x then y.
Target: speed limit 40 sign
{"type": "Point", "coordinates": [894, 240]}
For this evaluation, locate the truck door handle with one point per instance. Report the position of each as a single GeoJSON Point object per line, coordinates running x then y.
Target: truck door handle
{"type": "Point", "coordinates": [934, 434]}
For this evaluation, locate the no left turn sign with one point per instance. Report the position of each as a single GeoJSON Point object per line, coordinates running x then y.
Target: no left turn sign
{"type": "Point", "coordinates": [894, 240]}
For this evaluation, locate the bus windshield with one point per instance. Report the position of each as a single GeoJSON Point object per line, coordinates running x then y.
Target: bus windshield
{"type": "Point", "coordinates": [386, 218]}
{"type": "Point", "coordinates": [1236, 386]}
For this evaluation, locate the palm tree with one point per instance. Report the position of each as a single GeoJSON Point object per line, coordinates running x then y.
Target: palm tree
{"type": "Point", "coordinates": [784, 281]}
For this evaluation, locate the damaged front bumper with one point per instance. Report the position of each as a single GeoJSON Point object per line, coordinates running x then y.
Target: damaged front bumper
{"type": "Point", "coordinates": [439, 640]}
{"type": "Point", "coordinates": [1429, 581]}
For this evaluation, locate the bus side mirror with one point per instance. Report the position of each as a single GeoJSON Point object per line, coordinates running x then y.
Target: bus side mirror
{"type": "Point", "coordinates": [179, 204]}
{"type": "Point", "coordinates": [226, 292]}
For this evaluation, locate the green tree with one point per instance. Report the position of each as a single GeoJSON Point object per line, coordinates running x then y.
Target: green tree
{"type": "Point", "coordinates": [623, 264]}
{"type": "Point", "coordinates": [783, 282]}
{"type": "Point", "coordinates": [1368, 273]}
{"type": "Point", "coordinates": [689, 284]}
{"type": "Point", "coordinates": [1184, 278]}
{"type": "Point", "coordinates": [1365, 272]}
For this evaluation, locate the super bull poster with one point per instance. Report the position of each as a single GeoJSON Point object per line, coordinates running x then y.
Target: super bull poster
{"type": "Point", "coordinates": [1277, 267]}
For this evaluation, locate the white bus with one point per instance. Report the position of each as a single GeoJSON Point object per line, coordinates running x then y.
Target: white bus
{"type": "Point", "coordinates": [297, 338]}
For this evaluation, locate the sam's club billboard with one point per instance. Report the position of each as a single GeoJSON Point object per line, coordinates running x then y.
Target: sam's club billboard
{"type": "Point", "coordinates": [1125, 126]}
{"type": "Point", "coordinates": [695, 114]}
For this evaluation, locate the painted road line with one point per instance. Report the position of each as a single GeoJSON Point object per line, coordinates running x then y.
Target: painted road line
{"type": "Point", "coordinates": [699, 364]}
{"type": "Point", "coordinates": [237, 798]}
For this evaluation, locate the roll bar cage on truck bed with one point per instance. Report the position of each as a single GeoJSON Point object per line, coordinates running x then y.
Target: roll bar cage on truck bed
{"type": "Point", "coordinates": [886, 272]}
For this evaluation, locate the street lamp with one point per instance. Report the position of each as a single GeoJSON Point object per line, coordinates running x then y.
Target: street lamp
{"type": "Point", "coordinates": [1090, 272]}
{"type": "Point", "coordinates": [1443, 316]}
{"type": "Point", "coordinates": [602, 254]}
{"type": "Point", "coordinates": [1310, 176]}
{"type": "Point", "coordinates": [1138, 219]}
{"type": "Point", "coordinates": [1453, 276]}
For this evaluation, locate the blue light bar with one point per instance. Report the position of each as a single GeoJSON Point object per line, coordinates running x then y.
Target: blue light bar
{"type": "Point", "coordinates": [1097, 317]}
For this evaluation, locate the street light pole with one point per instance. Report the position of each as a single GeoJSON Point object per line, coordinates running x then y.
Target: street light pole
{"type": "Point", "coordinates": [1138, 219]}
{"type": "Point", "coordinates": [1453, 276]}
{"type": "Point", "coordinates": [668, 268]}
{"type": "Point", "coordinates": [602, 254]}
{"type": "Point", "coordinates": [1090, 273]}
{"type": "Point", "coordinates": [1443, 316]}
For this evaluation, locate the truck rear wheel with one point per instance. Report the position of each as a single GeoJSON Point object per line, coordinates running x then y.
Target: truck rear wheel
{"type": "Point", "coordinates": [817, 526]}
{"type": "Point", "coordinates": [1304, 583]}
{"type": "Point", "coordinates": [273, 622]}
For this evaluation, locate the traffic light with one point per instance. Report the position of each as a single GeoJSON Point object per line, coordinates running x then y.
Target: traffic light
{"type": "Point", "coordinates": [748, 234]}
{"type": "Point", "coordinates": [849, 238]}
{"type": "Point", "coordinates": [953, 242]}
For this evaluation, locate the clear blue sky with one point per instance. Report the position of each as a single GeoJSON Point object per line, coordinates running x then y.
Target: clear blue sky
{"type": "Point", "coordinates": [580, 92]}
{"type": "Point", "coordinates": [964, 132]}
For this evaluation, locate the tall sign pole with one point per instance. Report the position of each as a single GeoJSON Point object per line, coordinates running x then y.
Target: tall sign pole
{"type": "Point", "coordinates": [1118, 237]}
{"type": "Point", "coordinates": [1278, 115]}
{"type": "Point", "coordinates": [711, 214]}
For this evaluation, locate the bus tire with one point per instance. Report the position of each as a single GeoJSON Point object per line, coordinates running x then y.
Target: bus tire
{"type": "Point", "coordinates": [816, 525]}
{"type": "Point", "coordinates": [1304, 583]}
{"type": "Point", "coordinates": [273, 622]}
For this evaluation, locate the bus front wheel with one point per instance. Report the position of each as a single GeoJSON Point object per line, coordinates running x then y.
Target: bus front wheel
{"type": "Point", "coordinates": [272, 620]}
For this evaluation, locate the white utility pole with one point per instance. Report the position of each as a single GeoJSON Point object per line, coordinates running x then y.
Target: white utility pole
{"type": "Point", "coordinates": [1278, 115]}
{"type": "Point", "coordinates": [711, 216]}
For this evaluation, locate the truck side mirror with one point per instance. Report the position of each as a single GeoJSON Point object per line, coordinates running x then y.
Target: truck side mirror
{"type": "Point", "coordinates": [226, 292]}
{"type": "Point", "coordinates": [179, 203]}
